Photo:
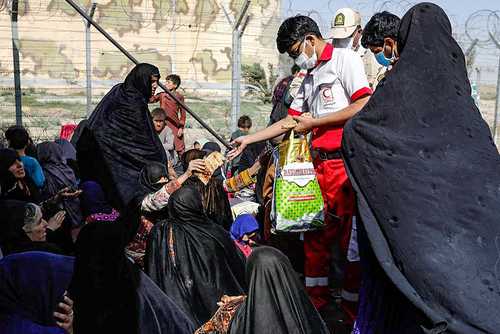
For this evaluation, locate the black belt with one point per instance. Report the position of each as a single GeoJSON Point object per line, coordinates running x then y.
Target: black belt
{"type": "Point", "coordinates": [322, 155]}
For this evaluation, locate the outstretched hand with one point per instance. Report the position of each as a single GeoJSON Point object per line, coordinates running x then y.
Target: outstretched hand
{"type": "Point", "coordinates": [239, 145]}
{"type": "Point", "coordinates": [305, 123]}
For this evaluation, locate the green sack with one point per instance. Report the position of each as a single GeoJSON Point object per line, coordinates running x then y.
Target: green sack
{"type": "Point", "coordinates": [297, 202]}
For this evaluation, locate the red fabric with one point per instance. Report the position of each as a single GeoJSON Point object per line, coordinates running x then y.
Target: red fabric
{"type": "Point", "coordinates": [293, 112]}
{"type": "Point", "coordinates": [327, 138]}
{"type": "Point", "coordinates": [339, 201]}
{"type": "Point", "coordinates": [365, 91]}
{"type": "Point", "coordinates": [245, 249]}
{"type": "Point", "coordinates": [326, 55]}
{"type": "Point", "coordinates": [67, 131]}
{"type": "Point", "coordinates": [176, 116]}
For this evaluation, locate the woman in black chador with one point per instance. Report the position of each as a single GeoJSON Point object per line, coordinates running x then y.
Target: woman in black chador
{"type": "Point", "coordinates": [118, 139]}
{"type": "Point", "coordinates": [427, 177]}
{"type": "Point", "coordinates": [192, 258]}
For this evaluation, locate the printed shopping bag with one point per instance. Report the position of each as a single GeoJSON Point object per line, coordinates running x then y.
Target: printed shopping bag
{"type": "Point", "coordinates": [297, 201]}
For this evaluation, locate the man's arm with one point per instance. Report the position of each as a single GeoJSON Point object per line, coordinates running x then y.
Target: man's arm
{"type": "Point", "coordinates": [272, 131]}
{"type": "Point", "coordinates": [340, 117]}
{"type": "Point", "coordinates": [275, 130]}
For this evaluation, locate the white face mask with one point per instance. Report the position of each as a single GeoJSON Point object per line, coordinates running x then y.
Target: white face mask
{"type": "Point", "coordinates": [304, 61]}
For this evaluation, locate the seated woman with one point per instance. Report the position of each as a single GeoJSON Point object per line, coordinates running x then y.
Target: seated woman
{"type": "Point", "coordinates": [276, 301]}
{"type": "Point", "coordinates": [32, 293]}
{"type": "Point", "coordinates": [154, 180]}
{"type": "Point", "coordinates": [192, 258]}
{"type": "Point", "coordinates": [58, 175]}
{"type": "Point", "coordinates": [112, 295]}
{"type": "Point", "coordinates": [13, 181]}
{"type": "Point", "coordinates": [15, 185]}
{"type": "Point", "coordinates": [244, 233]}
{"type": "Point", "coordinates": [215, 200]}
{"type": "Point", "coordinates": [23, 228]}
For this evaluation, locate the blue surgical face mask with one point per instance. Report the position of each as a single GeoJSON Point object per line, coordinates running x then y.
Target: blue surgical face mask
{"type": "Point", "coordinates": [383, 60]}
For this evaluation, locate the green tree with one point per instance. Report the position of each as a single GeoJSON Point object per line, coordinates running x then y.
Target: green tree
{"type": "Point", "coordinates": [261, 84]}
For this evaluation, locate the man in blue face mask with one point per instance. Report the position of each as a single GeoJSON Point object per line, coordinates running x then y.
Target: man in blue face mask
{"type": "Point", "coordinates": [380, 35]}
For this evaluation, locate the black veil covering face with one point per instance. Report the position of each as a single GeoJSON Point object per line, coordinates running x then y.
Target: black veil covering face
{"type": "Point", "coordinates": [276, 301]}
{"type": "Point", "coordinates": [118, 139]}
{"type": "Point", "coordinates": [427, 176]}
{"type": "Point", "coordinates": [201, 263]}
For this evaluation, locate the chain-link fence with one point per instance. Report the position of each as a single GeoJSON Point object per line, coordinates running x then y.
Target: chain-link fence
{"type": "Point", "coordinates": [191, 38]}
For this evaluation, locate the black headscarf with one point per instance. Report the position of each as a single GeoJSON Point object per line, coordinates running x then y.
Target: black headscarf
{"type": "Point", "coordinates": [58, 175]}
{"type": "Point", "coordinates": [118, 139]}
{"type": "Point", "coordinates": [276, 300]}
{"type": "Point", "coordinates": [206, 263]}
{"type": "Point", "coordinates": [31, 286]}
{"type": "Point", "coordinates": [150, 176]}
{"type": "Point", "coordinates": [111, 295]}
{"type": "Point", "coordinates": [215, 200]}
{"type": "Point", "coordinates": [427, 176]}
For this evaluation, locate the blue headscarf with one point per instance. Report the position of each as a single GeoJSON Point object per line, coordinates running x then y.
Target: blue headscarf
{"type": "Point", "coordinates": [244, 224]}
{"type": "Point", "coordinates": [31, 286]}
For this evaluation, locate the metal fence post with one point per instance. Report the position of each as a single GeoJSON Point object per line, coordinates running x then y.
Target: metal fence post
{"type": "Point", "coordinates": [15, 58]}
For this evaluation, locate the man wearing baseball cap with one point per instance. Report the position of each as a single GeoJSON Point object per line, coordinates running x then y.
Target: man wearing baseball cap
{"type": "Point", "coordinates": [346, 32]}
{"type": "Point", "coordinates": [346, 27]}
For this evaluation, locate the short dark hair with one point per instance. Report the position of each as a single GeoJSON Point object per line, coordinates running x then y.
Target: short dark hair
{"type": "Point", "coordinates": [17, 136]}
{"type": "Point", "coordinates": [158, 112]}
{"type": "Point", "coordinates": [294, 29]}
{"type": "Point", "coordinates": [380, 26]}
{"type": "Point", "coordinates": [175, 79]}
{"type": "Point", "coordinates": [245, 122]}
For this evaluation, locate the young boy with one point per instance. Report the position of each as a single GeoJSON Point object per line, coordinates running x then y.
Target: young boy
{"type": "Point", "coordinates": [380, 35]}
{"type": "Point", "coordinates": [175, 114]}
{"type": "Point", "coordinates": [244, 126]}
{"type": "Point", "coordinates": [165, 134]}
{"type": "Point", "coordinates": [18, 139]}
{"type": "Point", "coordinates": [334, 89]}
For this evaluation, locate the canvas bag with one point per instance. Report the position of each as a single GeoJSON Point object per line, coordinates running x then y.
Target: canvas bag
{"type": "Point", "coordinates": [297, 201]}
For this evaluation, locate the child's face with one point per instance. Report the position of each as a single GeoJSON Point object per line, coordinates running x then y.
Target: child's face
{"type": "Point", "coordinates": [246, 130]}
{"type": "Point", "coordinates": [159, 123]}
{"type": "Point", "coordinates": [197, 146]}
{"type": "Point", "coordinates": [251, 238]}
{"type": "Point", "coordinates": [170, 85]}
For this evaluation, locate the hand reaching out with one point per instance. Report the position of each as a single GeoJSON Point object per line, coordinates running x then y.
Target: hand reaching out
{"type": "Point", "coordinates": [240, 144]}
